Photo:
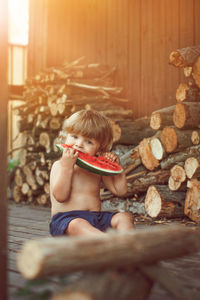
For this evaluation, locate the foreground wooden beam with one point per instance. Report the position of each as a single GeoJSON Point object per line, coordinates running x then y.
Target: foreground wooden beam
{"type": "Point", "coordinates": [63, 254]}
{"type": "Point", "coordinates": [110, 285]}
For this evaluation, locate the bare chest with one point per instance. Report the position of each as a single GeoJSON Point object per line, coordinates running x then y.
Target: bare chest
{"type": "Point", "coordinates": [85, 180]}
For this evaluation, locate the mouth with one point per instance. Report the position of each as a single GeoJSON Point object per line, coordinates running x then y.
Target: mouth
{"type": "Point", "coordinates": [78, 149]}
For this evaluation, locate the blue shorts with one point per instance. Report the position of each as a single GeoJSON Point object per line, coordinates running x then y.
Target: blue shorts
{"type": "Point", "coordinates": [98, 219]}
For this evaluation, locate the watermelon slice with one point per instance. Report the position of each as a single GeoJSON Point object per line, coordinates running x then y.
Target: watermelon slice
{"type": "Point", "coordinates": [99, 165]}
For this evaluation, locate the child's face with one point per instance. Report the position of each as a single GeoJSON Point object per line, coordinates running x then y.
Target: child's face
{"type": "Point", "coordinates": [84, 144]}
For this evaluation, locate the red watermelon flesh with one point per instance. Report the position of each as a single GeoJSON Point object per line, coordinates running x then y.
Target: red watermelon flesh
{"type": "Point", "coordinates": [99, 165]}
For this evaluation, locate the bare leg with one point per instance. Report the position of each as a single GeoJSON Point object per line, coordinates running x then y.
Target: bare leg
{"type": "Point", "coordinates": [80, 227]}
{"type": "Point", "coordinates": [122, 221]}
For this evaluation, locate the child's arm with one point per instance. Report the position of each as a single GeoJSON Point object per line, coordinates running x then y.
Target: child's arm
{"type": "Point", "coordinates": [117, 184]}
{"type": "Point", "coordinates": [61, 175]}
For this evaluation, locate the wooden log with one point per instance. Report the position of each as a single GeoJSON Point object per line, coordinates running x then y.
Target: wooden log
{"type": "Point", "coordinates": [157, 148]}
{"type": "Point", "coordinates": [160, 201]}
{"type": "Point", "coordinates": [142, 183]}
{"type": "Point", "coordinates": [187, 71]}
{"type": "Point", "coordinates": [30, 179]}
{"type": "Point", "coordinates": [192, 200]}
{"type": "Point", "coordinates": [148, 159]}
{"type": "Point", "coordinates": [192, 167]}
{"type": "Point", "coordinates": [130, 158]}
{"type": "Point", "coordinates": [184, 57]}
{"type": "Point", "coordinates": [173, 184]}
{"type": "Point", "coordinates": [47, 188]}
{"type": "Point", "coordinates": [196, 71]}
{"type": "Point", "coordinates": [17, 194]}
{"type": "Point", "coordinates": [55, 124]}
{"type": "Point", "coordinates": [62, 255]}
{"type": "Point", "coordinates": [53, 109]}
{"type": "Point", "coordinates": [45, 141]}
{"type": "Point", "coordinates": [127, 131]}
{"type": "Point", "coordinates": [100, 89]}
{"type": "Point", "coordinates": [136, 173]}
{"type": "Point", "coordinates": [23, 156]}
{"type": "Point", "coordinates": [178, 176]}
{"type": "Point", "coordinates": [174, 139]}
{"type": "Point", "coordinates": [19, 177]}
{"type": "Point", "coordinates": [187, 115]}
{"type": "Point", "coordinates": [64, 109]}
{"type": "Point", "coordinates": [195, 137]}
{"type": "Point", "coordinates": [174, 158]}
{"type": "Point", "coordinates": [176, 185]}
{"type": "Point", "coordinates": [162, 117]}
{"type": "Point", "coordinates": [42, 199]}
{"type": "Point", "coordinates": [25, 188]}
{"type": "Point", "coordinates": [114, 284]}
{"type": "Point", "coordinates": [186, 93]}
{"type": "Point", "coordinates": [134, 137]}
{"type": "Point", "coordinates": [117, 114]}
{"type": "Point", "coordinates": [178, 173]}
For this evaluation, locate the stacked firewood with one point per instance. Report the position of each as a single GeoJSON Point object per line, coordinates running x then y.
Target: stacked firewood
{"type": "Point", "coordinates": [166, 166]}
{"type": "Point", "coordinates": [163, 169]}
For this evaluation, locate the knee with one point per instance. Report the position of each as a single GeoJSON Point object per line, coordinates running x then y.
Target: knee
{"type": "Point", "coordinates": [75, 225]}
{"type": "Point", "coordinates": [122, 217]}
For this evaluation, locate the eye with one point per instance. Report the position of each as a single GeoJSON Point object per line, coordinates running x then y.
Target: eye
{"type": "Point", "coordinates": [74, 136]}
{"type": "Point", "coordinates": [89, 142]}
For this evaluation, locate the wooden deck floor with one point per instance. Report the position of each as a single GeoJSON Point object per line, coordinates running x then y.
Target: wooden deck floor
{"type": "Point", "coordinates": [28, 222]}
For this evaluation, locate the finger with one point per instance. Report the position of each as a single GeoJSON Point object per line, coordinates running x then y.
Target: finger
{"type": "Point", "coordinates": [76, 154]}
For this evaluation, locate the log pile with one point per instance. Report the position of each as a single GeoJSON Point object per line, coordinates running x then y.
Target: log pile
{"type": "Point", "coordinates": [179, 127]}
{"type": "Point", "coordinates": [163, 171]}
{"type": "Point", "coordinates": [160, 153]}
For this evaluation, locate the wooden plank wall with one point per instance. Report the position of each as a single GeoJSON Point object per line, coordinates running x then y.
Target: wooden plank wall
{"type": "Point", "coordinates": [135, 35]}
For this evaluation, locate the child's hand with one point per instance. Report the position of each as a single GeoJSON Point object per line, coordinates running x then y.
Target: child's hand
{"type": "Point", "coordinates": [69, 157]}
{"type": "Point", "coordinates": [112, 157]}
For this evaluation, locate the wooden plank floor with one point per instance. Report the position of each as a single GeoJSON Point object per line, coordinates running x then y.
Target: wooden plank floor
{"type": "Point", "coordinates": [29, 222]}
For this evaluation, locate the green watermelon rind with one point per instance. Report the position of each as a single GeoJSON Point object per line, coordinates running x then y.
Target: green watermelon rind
{"type": "Point", "coordinates": [91, 168]}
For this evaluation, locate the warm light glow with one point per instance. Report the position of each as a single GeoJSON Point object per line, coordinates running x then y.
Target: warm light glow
{"type": "Point", "coordinates": [18, 21]}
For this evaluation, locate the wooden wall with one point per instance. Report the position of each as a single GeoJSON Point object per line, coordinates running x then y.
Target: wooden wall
{"type": "Point", "coordinates": [135, 35]}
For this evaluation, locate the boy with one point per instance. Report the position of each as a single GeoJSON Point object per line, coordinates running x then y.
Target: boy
{"type": "Point", "coordinates": [75, 192]}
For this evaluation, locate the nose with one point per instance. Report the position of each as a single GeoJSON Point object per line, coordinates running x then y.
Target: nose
{"type": "Point", "coordinates": [79, 143]}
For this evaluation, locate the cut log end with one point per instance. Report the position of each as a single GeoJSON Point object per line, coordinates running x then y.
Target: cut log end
{"type": "Point", "coordinates": [173, 184]}
{"type": "Point", "coordinates": [157, 148]}
{"type": "Point", "coordinates": [187, 71]}
{"type": "Point", "coordinates": [23, 262]}
{"type": "Point", "coordinates": [178, 173]}
{"type": "Point", "coordinates": [180, 115]}
{"type": "Point", "coordinates": [155, 121]}
{"type": "Point", "coordinates": [191, 166]}
{"type": "Point", "coordinates": [181, 92]}
{"type": "Point", "coordinates": [148, 159]}
{"type": "Point", "coordinates": [195, 137]}
{"type": "Point", "coordinates": [169, 139]}
{"type": "Point", "coordinates": [153, 202]}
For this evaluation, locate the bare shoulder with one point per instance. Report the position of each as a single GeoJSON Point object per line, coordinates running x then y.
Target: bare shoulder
{"type": "Point", "coordinates": [55, 166]}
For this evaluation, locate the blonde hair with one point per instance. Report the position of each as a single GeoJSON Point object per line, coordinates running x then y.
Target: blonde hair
{"type": "Point", "coordinates": [91, 124]}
